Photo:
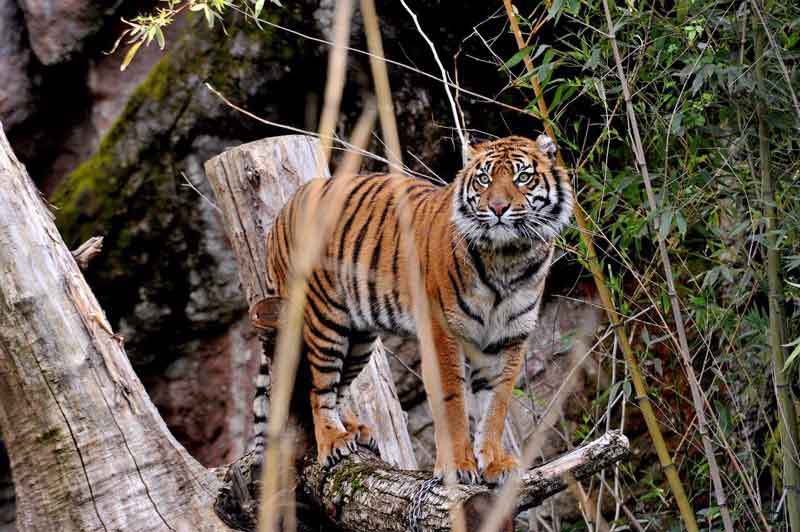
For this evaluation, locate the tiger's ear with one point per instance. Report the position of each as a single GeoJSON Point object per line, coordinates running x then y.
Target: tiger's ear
{"type": "Point", "coordinates": [473, 149]}
{"type": "Point", "coordinates": [546, 145]}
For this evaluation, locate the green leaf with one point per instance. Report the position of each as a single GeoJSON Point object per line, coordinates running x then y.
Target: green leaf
{"type": "Point", "coordinates": [129, 56]}
{"type": "Point", "coordinates": [680, 221]}
{"type": "Point", "coordinates": [259, 7]}
{"type": "Point", "coordinates": [209, 16]}
{"type": "Point", "coordinates": [162, 43]}
{"type": "Point", "coordinates": [666, 223]}
{"type": "Point", "coordinates": [555, 10]}
{"type": "Point", "coordinates": [792, 357]}
{"type": "Point", "coordinates": [517, 57]}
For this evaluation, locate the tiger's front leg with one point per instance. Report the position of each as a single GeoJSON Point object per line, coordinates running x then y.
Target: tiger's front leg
{"type": "Point", "coordinates": [450, 424]}
{"type": "Point", "coordinates": [493, 378]}
{"type": "Point", "coordinates": [326, 352]}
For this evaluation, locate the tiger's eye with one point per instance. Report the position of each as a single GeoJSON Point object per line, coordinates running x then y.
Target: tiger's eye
{"type": "Point", "coordinates": [524, 178]}
{"type": "Point", "coordinates": [483, 178]}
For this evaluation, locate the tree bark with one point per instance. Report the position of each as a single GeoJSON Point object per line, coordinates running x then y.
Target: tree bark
{"type": "Point", "coordinates": [362, 493]}
{"type": "Point", "coordinates": [88, 450]}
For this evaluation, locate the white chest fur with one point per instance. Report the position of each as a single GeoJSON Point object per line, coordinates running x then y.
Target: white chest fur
{"type": "Point", "coordinates": [501, 308]}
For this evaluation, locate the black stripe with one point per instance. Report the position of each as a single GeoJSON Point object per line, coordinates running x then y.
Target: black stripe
{"type": "Point", "coordinates": [496, 347]}
{"type": "Point", "coordinates": [477, 262]}
{"type": "Point", "coordinates": [261, 390]}
{"type": "Point", "coordinates": [461, 303]}
{"type": "Point", "coordinates": [259, 419]}
{"type": "Point", "coordinates": [449, 397]}
{"type": "Point", "coordinates": [457, 268]}
{"type": "Point", "coordinates": [523, 311]}
{"type": "Point", "coordinates": [319, 335]}
{"type": "Point", "coordinates": [372, 280]}
{"type": "Point", "coordinates": [318, 290]}
{"type": "Point", "coordinates": [371, 191]}
{"type": "Point", "coordinates": [324, 369]}
{"type": "Point", "coordinates": [324, 321]}
{"type": "Point", "coordinates": [327, 354]}
{"type": "Point", "coordinates": [326, 390]}
{"type": "Point", "coordinates": [349, 222]}
{"type": "Point", "coordinates": [361, 337]}
{"type": "Point", "coordinates": [560, 193]}
{"type": "Point", "coordinates": [532, 269]}
{"type": "Point", "coordinates": [390, 314]}
{"type": "Point", "coordinates": [263, 369]}
{"type": "Point", "coordinates": [479, 384]}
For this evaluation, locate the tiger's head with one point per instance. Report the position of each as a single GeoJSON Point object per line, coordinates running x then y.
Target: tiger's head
{"type": "Point", "coordinates": [512, 190]}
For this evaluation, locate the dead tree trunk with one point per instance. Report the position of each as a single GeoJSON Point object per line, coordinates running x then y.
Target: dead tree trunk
{"type": "Point", "coordinates": [251, 183]}
{"type": "Point", "coordinates": [88, 449]}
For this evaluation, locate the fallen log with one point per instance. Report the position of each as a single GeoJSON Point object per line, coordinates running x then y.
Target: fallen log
{"type": "Point", "coordinates": [365, 494]}
{"type": "Point", "coordinates": [362, 493]}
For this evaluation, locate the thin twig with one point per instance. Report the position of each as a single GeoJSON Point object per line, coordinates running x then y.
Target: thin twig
{"type": "Point", "coordinates": [453, 108]}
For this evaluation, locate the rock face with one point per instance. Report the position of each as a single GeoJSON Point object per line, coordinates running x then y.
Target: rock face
{"type": "Point", "coordinates": [206, 398]}
{"type": "Point", "coordinates": [166, 277]}
{"type": "Point", "coordinates": [57, 29]}
{"type": "Point", "coordinates": [16, 90]}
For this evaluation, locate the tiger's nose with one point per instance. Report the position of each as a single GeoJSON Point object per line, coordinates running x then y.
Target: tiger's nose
{"type": "Point", "coordinates": [499, 207]}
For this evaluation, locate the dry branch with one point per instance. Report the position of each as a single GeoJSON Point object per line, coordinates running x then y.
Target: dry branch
{"type": "Point", "coordinates": [84, 253]}
{"type": "Point", "coordinates": [362, 493]}
{"type": "Point", "coordinates": [88, 449]}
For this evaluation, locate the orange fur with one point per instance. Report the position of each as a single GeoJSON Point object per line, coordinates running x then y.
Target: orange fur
{"type": "Point", "coordinates": [484, 244]}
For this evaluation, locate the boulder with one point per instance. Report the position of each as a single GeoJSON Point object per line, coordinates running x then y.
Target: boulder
{"type": "Point", "coordinates": [58, 29]}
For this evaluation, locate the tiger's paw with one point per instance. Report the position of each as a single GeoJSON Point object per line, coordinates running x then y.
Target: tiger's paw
{"type": "Point", "coordinates": [499, 470]}
{"type": "Point", "coordinates": [331, 452]}
{"type": "Point", "coordinates": [363, 437]}
{"type": "Point", "coordinates": [465, 472]}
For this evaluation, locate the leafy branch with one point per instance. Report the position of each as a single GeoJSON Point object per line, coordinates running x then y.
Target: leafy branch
{"type": "Point", "coordinates": [146, 28]}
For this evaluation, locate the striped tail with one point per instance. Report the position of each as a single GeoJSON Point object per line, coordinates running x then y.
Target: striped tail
{"type": "Point", "coordinates": [261, 398]}
{"type": "Point", "coordinates": [264, 316]}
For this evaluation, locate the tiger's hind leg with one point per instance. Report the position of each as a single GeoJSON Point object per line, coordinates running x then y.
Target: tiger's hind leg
{"type": "Point", "coordinates": [325, 351]}
{"type": "Point", "coordinates": [358, 356]}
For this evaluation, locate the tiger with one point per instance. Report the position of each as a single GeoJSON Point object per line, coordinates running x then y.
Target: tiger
{"type": "Point", "coordinates": [484, 245]}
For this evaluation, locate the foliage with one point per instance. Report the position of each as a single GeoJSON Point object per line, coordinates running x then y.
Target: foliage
{"type": "Point", "coordinates": [144, 29]}
{"type": "Point", "coordinates": [690, 68]}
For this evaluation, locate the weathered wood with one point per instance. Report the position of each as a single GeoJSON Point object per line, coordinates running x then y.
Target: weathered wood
{"type": "Point", "coordinates": [88, 450]}
{"type": "Point", "coordinates": [374, 400]}
{"type": "Point", "coordinates": [363, 494]}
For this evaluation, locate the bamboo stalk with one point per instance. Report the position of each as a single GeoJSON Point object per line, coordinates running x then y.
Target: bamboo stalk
{"type": "Point", "coordinates": [334, 84]}
{"type": "Point", "coordinates": [287, 352]}
{"type": "Point", "coordinates": [419, 298]}
{"type": "Point", "coordinates": [786, 409]}
{"type": "Point", "coordinates": [697, 398]}
{"type": "Point", "coordinates": [642, 398]}
{"type": "Point", "coordinates": [382, 89]}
